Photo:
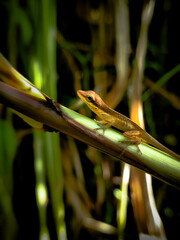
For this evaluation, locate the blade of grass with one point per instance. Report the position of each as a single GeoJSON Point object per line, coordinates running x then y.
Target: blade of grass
{"type": "Point", "coordinates": [163, 80]}
{"type": "Point", "coordinates": [45, 55]}
{"type": "Point", "coordinates": [8, 146]}
{"type": "Point", "coordinates": [144, 207]}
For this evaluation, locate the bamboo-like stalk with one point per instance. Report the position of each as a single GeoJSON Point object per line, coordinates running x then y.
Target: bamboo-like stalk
{"type": "Point", "coordinates": [45, 75]}
{"type": "Point", "coordinates": [122, 68]}
{"type": "Point", "coordinates": [147, 219]}
{"type": "Point", "coordinates": [152, 160]}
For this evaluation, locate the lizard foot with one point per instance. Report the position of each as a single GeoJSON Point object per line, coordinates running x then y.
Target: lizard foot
{"type": "Point", "coordinates": [102, 125]}
{"type": "Point", "coordinates": [128, 143]}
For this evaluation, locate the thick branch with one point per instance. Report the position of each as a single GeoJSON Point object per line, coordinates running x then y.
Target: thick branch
{"type": "Point", "coordinates": [69, 122]}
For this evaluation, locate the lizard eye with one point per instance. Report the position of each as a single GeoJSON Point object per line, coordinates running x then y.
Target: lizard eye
{"type": "Point", "coordinates": [89, 99]}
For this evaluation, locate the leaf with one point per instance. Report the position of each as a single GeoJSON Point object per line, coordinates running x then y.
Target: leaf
{"type": "Point", "coordinates": [8, 146]}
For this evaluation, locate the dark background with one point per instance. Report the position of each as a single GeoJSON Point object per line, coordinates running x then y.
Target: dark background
{"type": "Point", "coordinates": [162, 56]}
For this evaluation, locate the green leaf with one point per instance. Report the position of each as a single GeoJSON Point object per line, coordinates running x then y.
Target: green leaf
{"type": "Point", "coordinates": [8, 146]}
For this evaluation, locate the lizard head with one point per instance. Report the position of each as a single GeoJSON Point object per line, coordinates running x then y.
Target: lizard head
{"type": "Point", "coordinates": [96, 104]}
{"type": "Point", "coordinates": [90, 98]}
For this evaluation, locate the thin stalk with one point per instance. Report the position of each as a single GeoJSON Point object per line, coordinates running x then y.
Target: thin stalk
{"type": "Point", "coordinates": [162, 81]}
{"type": "Point", "coordinates": [122, 68]}
{"type": "Point", "coordinates": [140, 182]}
{"type": "Point", "coordinates": [45, 57]}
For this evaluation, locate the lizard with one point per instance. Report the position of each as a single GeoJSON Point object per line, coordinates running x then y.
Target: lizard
{"type": "Point", "coordinates": [110, 117]}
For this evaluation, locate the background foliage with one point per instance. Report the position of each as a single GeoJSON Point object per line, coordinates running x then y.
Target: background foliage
{"type": "Point", "coordinates": [63, 189]}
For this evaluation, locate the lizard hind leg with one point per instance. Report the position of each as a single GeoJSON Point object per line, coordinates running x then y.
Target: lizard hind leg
{"type": "Point", "coordinates": [134, 137]}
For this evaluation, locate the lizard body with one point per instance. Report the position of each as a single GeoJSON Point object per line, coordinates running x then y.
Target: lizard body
{"type": "Point", "coordinates": [112, 118]}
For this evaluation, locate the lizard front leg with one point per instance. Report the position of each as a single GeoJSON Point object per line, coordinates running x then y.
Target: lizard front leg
{"type": "Point", "coordinates": [103, 125]}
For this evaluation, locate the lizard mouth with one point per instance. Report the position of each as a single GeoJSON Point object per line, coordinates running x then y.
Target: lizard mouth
{"type": "Point", "coordinates": [81, 94]}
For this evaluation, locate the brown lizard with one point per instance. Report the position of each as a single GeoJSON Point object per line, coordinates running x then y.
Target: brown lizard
{"type": "Point", "coordinates": [112, 118]}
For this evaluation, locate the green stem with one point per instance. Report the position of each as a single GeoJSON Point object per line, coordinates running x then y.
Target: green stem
{"type": "Point", "coordinates": [152, 160]}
